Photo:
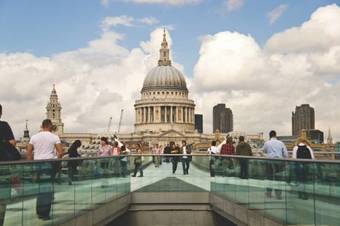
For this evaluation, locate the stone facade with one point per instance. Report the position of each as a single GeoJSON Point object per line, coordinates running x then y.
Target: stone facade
{"type": "Point", "coordinates": [53, 112]}
{"type": "Point", "coordinates": [164, 103]}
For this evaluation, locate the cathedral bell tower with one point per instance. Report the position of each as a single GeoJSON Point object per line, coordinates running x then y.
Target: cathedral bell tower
{"type": "Point", "coordinates": [164, 53]}
{"type": "Point", "coordinates": [53, 112]}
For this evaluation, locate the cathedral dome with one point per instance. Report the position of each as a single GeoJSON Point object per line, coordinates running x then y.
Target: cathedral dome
{"type": "Point", "coordinates": [164, 77]}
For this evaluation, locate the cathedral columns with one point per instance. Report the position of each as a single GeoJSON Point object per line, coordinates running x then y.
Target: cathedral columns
{"type": "Point", "coordinates": [184, 115]}
{"type": "Point", "coordinates": [171, 115]}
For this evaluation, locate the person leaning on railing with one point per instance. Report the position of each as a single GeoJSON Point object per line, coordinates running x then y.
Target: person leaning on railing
{"type": "Point", "coordinates": [73, 164]}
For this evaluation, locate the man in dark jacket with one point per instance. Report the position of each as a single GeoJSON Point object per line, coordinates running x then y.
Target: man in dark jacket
{"type": "Point", "coordinates": [6, 135]}
{"type": "Point", "coordinates": [243, 149]}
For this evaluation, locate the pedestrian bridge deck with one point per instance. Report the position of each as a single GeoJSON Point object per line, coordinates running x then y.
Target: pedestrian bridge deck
{"type": "Point", "coordinates": [243, 201]}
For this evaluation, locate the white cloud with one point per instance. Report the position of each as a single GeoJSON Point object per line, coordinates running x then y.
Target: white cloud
{"type": "Point", "coordinates": [263, 85]}
{"type": "Point", "coordinates": [311, 36]}
{"type": "Point", "coordinates": [161, 2]}
{"type": "Point", "coordinates": [276, 13]}
{"type": "Point", "coordinates": [149, 20]}
{"type": "Point", "coordinates": [232, 5]}
{"type": "Point", "coordinates": [105, 2]}
{"type": "Point", "coordinates": [93, 83]}
{"type": "Point", "coordinates": [110, 22]}
{"type": "Point", "coordinates": [128, 21]}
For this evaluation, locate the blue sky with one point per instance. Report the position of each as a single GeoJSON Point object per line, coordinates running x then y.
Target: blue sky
{"type": "Point", "coordinates": [45, 27]}
{"type": "Point", "coordinates": [47, 42]}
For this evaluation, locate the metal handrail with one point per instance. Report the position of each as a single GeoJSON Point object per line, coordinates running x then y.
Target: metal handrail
{"type": "Point", "coordinates": [21, 162]}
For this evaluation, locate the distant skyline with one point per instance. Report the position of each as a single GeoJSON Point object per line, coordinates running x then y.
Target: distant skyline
{"type": "Point", "coordinates": [261, 58]}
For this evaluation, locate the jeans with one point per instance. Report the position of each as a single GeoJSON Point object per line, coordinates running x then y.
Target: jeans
{"type": "Point", "coordinates": [138, 166]}
{"type": "Point", "coordinates": [302, 170]}
{"type": "Point", "coordinates": [185, 165]}
{"type": "Point", "coordinates": [174, 161]}
{"type": "Point", "coordinates": [244, 168]}
{"type": "Point", "coordinates": [212, 167]}
{"type": "Point", "coordinates": [124, 168]}
{"type": "Point", "coordinates": [46, 188]}
{"type": "Point", "coordinates": [271, 172]}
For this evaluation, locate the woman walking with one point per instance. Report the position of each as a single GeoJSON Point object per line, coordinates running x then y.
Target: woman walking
{"type": "Point", "coordinates": [73, 164]}
{"type": "Point", "coordinates": [302, 150]}
{"type": "Point", "coordinates": [138, 162]}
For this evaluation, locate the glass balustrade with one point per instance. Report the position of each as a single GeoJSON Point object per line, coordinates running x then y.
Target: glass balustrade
{"type": "Point", "coordinates": [287, 191]}
{"type": "Point", "coordinates": [290, 192]}
{"type": "Point", "coordinates": [72, 186]}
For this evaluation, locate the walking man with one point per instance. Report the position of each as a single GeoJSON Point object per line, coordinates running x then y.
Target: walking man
{"type": "Point", "coordinates": [275, 149]}
{"type": "Point", "coordinates": [212, 151]}
{"type": "Point", "coordinates": [243, 149]}
{"type": "Point", "coordinates": [6, 136]}
{"type": "Point", "coordinates": [45, 145]}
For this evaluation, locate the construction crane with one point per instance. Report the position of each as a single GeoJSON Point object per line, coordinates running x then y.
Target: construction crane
{"type": "Point", "coordinates": [120, 120]}
{"type": "Point", "coordinates": [109, 126]}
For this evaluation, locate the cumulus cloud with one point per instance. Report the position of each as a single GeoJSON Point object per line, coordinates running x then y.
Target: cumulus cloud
{"type": "Point", "coordinates": [110, 22]}
{"type": "Point", "coordinates": [93, 83]}
{"type": "Point", "coordinates": [128, 21]}
{"type": "Point", "coordinates": [232, 5]}
{"type": "Point", "coordinates": [263, 85]}
{"type": "Point", "coordinates": [276, 13]}
{"type": "Point", "coordinates": [161, 2]}
{"type": "Point", "coordinates": [317, 34]}
{"type": "Point", "coordinates": [149, 20]}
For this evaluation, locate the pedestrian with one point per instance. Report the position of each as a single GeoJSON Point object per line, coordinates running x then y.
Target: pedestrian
{"type": "Point", "coordinates": [42, 146]}
{"type": "Point", "coordinates": [212, 151]}
{"type": "Point", "coordinates": [73, 164]}
{"type": "Point", "coordinates": [6, 137]}
{"type": "Point", "coordinates": [243, 149]}
{"type": "Point", "coordinates": [115, 149]}
{"type": "Point", "coordinates": [124, 152]}
{"type": "Point", "coordinates": [161, 152]}
{"type": "Point", "coordinates": [138, 162]}
{"type": "Point", "coordinates": [167, 150]}
{"type": "Point", "coordinates": [185, 151]}
{"type": "Point", "coordinates": [302, 150]}
{"type": "Point", "coordinates": [175, 150]}
{"type": "Point", "coordinates": [227, 149]}
{"type": "Point", "coordinates": [116, 158]}
{"type": "Point", "coordinates": [156, 151]}
{"type": "Point", "coordinates": [274, 149]}
{"type": "Point", "coordinates": [105, 150]}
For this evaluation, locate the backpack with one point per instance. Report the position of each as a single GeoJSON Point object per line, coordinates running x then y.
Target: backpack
{"type": "Point", "coordinates": [8, 152]}
{"type": "Point", "coordinates": [303, 152]}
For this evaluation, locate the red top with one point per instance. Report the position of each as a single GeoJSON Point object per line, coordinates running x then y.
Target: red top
{"type": "Point", "coordinates": [115, 151]}
{"type": "Point", "coordinates": [227, 149]}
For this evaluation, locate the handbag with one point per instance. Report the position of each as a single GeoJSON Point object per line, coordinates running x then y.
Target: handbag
{"type": "Point", "coordinates": [8, 152]}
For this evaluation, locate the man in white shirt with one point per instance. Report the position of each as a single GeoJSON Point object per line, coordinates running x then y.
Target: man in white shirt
{"type": "Point", "coordinates": [45, 145]}
{"type": "Point", "coordinates": [213, 150]}
{"type": "Point", "coordinates": [273, 148]}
